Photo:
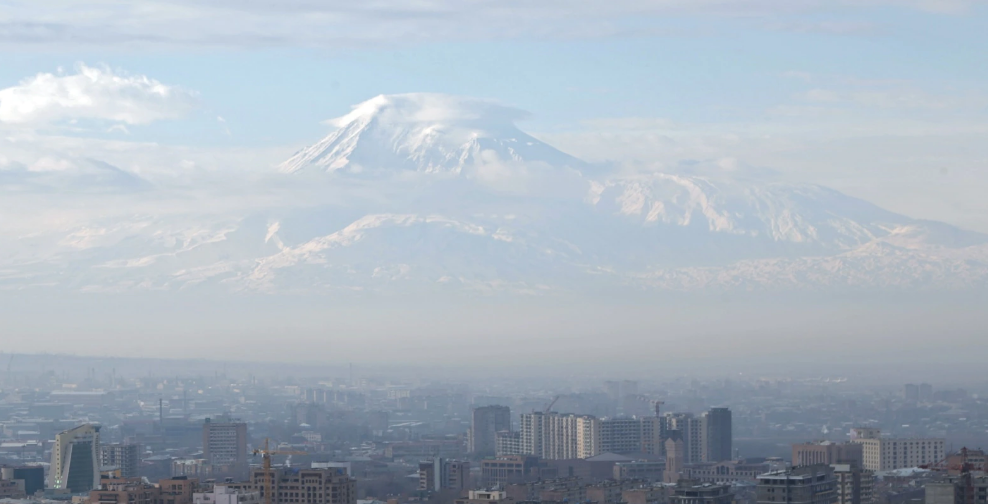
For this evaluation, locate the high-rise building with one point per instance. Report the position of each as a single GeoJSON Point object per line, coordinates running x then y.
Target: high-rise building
{"type": "Point", "coordinates": [827, 452]}
{"type": "Point", "coordinates": [886, 454]}
{"type": "Point", "coordinates": [224, 446]}
{"type": "Point", "coordinates": [556, 437]}
{"type": "Point", "coordinates": [443, 474]}
{"type": "Point", "coordinates": [507, 443]}
{"type": "Point", "coordinates": [814, 484]}
{"type": "Point", "coordinates": [717, 443]}
{"type": "Point", "coordinates": [690, 430]}
{"type": "Point", "coordinates": [925, 392]}
{"type": "Point", "coordinates": [627, 435]}
{"type": "Point", "coordinates": [675, 453]}
{"type": "Point", "coordinates": [301, 486]}
{"type": "Point", "coordinates": [125, 457]}
{"type": "Point", "coordinates": [75, 460]}
{"type": "Point", "coordinates": [485, 423]}
{"type": "Point", "coordinates": [531, 430]}
{"type": "Point", "coordinates": [553, 436]}
{"type": "Point", "coordinates": [854, 484]}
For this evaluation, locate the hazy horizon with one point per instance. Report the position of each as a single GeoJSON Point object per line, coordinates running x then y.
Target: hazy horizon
{"type": "Point", "coordinates": [709, 186]}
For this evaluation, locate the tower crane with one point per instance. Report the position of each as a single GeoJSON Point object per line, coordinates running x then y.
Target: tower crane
{"type": "Point", "coordinates": [656, 404]}
{"type": "Point", "coordinates": [265, 454]}
{"type": "Point", "coordinates": [551, 404]}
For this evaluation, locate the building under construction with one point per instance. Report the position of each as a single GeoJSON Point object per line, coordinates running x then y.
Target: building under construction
{"type": "Point", "coordinates": [963, 482]}
{"type": "Point", "coordinates": [300, 486]}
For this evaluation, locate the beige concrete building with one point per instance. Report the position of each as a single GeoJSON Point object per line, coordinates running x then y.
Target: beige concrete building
{"type": "Point", "coordinates": [558, 437]}
{"type": "Point", "coordinates": [675, 453]}
{"type": "Point", "coordinates": [886, 454]}
{"type": "Point", "coordinates": [827, 452]}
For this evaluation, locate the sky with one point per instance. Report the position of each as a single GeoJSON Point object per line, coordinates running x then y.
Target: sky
{"type": "Point", "coordinates": [884, 100]}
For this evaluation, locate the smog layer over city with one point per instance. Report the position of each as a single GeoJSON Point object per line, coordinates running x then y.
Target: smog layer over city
{"type": "Point", "coordinates": [493, 252]}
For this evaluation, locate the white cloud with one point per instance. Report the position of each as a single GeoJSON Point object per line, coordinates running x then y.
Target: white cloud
{"type": "Point", "coordinates": [93, 93]}
{"type": "Point", "coordinates": [429, 107]}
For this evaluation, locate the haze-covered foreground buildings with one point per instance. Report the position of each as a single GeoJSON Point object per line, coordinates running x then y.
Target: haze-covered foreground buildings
{"type": "Point", "coordinates": [203, 437]}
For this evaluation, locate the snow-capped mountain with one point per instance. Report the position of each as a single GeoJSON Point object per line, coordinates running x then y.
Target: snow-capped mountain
{"type": "Point", "coordinates": [424, 132]}
{"type": "Point", "coordinates": [809, 216]}
{"type": "Point", "coordinates": [495, 210]}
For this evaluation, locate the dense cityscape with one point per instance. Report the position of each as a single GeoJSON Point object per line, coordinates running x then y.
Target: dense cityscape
{"type": "Point", "coordinates": [493, 251]}
{"type": "Point", "coordinates": [89, 435]}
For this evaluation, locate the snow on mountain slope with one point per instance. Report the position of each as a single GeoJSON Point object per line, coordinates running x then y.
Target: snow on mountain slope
{"type": "Point", "coordinates": [414, 249]}
{"type": "Point", "coordinates": [424, 252]}
{"type": "Point", "coordinates": [512, 214]}
{"type": "Point", "coordinates": [811, 215]}
{"type": "Point", "coordinates": [422, 132]}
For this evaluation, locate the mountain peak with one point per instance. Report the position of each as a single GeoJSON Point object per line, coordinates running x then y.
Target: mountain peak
{"type": "Point", "coordinates": [424, 132]}
{"type": "Point", "coordinates": [430, 108]}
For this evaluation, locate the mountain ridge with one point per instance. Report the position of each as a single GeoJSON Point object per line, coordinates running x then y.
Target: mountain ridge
{"type": "Point", "coordinates": [478, 218]}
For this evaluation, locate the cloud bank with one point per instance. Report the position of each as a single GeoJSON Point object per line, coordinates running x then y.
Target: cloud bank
{"type": "Point", "coordinates": [93, 93]}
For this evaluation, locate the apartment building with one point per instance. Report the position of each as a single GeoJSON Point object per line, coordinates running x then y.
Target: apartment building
{"type": "Point", "coordinates": [887, 454]}
{"type": "Point", "coordinates": [125, 457]}
{"type": "Point", "coordinates": [854, 484]}
{"type": "Point", "coordinates": [557, 437]}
